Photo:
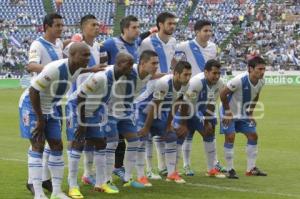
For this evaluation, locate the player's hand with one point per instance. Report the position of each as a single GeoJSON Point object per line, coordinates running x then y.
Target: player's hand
{"type": "Point", "coordinates": [182, 131]}
{"type": "Point", "coordinates": [38, 134]}
{"type": "Point", "coordinates": [227, 118]}
{"type": "Point", "coordinates": [143, 132]}
{"type": "Point", "coordinates": [208, 128]}
{"type": "Point", "coordinates": [153, 30]}
{"type": "Point", "coordinates": [80, 134]}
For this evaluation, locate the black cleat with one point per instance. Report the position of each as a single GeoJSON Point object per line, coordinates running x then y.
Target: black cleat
{"type": "Point", "coordinates": [256, 172]}
{"type": "Point", "coordinates": [30, 188]}
{"type": "Point", "coordinates": [47, 185]}
{"type": "Point", "coordinates": [232, 174]}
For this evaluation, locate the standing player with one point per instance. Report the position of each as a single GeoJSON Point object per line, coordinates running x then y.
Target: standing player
{"type": "Point", "coordinates": [121, 112]}
{"type": "Point", "coordinates": [40, 121]}
{"type": "Point", "coordinates": [127, 42]}
{"type": "Point", "coordinates": [42, 51]}
{"type": "Point", "coordinates": [90, 30]}
{"type": "Point", "coordinates": [93, 94]}
{"type": "Point", "coordinates": [164, 45]}
{"type": "Point", "coordinates": [198, 52]}
{"type": "Point", "coordinates": [239, 99]}
{"type": "Point", "coordinates": [202, 93]}
{"type": "Point", "coordinates": [155, 108]}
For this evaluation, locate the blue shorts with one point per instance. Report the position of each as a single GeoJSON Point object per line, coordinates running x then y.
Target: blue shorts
{"type": "Point", "coordinates": [196, 123]}
{"type": "Point", "coordinates": [93, 131]}
{"type": "Point", "coordinates": [115, 127]}
{"type": "Point", "coordinates": [158, 128]}
{"type": "Point", "coordinates": [238, 125]}
{"type": "Point", "coordinates": [28, 121]}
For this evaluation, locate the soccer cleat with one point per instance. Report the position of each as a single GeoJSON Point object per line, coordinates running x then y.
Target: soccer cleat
{"type": "Point", "coordinates": [106, 188]}
{"type": "Point", "coordinates": [30, 188]}
{"type": "Point", "coordinates": [112, 185]}
{"type": "Point", "coordinates": [132, 183]}
{"type": "Point", "coordinates": [188, 171]}
{"type": "Point", "coordinates": [163, 172]}
{"type": "Point", "coordinates": [75, 193]}
{"type": "Point", "coordinates": [41, 196]}
{"type": "Point", "coordinates": [47, 184]}
{"type": "Point", "coordinates": [220, 168]}
{"type": "Point", "coordinates": [232, 174]}
{"type": "Point", "coordinates": [255, 172]}
{"type": "Point", "coordinates": [153, 176]}
{"type": "Point", "coordinates": [88, 180]}
{"type": "Point", "coordinates": [215, 173]}
{"type": "Point", "coordinates": [176, 178]}
{"type": "Point", "coordinates": [144, 180]}
{"type": "Point", "coordinates": [59, 196]}
{"type": "Point", "coordinates": [120, 172]}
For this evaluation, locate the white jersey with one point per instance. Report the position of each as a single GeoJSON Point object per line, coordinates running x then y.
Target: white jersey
{"type": "Point", "coordinates": [196, 55]}
{"type": "Point", "coordinates": [43, 52]}
{"type": "Point", "coordinates": [98, 89]}
{"type": "Point", "coordinates": [244, 93]}
{"type": "Point", "coordinates": [52, 83]}
{"type": "Point", "coordinates": [161, 89]}
{"type": "Point", "coordinates": [200, 93]}
{"type": "Point", "coordinates": [126, 89]}
{"type": "Point", "coordinates": [94, 60]}
{"type": "Point", "coordinates": [165, 51]}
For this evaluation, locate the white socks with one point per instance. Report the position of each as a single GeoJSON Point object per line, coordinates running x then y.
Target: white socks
{"type": "Point", "coordinates": [186, 151]}
{"type": "Point", "coordinates": [228, 152]}
{"type": "Point", "coordinates": [160, 149]}
{"type": "Point", "coordinates": [140, 160]}
{"type": "Point", "coordinates": [149, 154]}
{"type": "Point", "coordinates": [251, 151]}
{"type": "Point", "coordinates": [35, 170]}
{"type": "Point", "coordinates": [88, 158]}
{"type": "Point", "coordinates": [100, 163]}
{"type": "Point", "coordinates": [130, 157]}
{"type": "Point", "coordinates": [56, 167]}
{"type": "Point", "coordinates": [46, 172]}
{"type": "Point", "coordinates": [170, 154]}
{"type": "Point", "coordinates": [73, 162]}
{"type": "Point", "coordinates": [110, 158]}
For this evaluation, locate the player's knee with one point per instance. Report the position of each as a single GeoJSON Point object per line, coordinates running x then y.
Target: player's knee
{"type": "Point", "coordinates": [100, 143]}
{"type": "Point", "coordinates": [55, 145]}
{"type": "Point", "coordinates": [229, 138]}
{"type": "Point", "coordinates": [77, 145]}
{"type": "Point", "coordinates": [252, 137]}
{"type": "Point", "coordinates": [38, 146]}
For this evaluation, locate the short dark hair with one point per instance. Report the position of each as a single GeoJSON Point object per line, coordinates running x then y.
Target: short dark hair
{"type": "Point", "coordinates": [147, 54]}
{"type": "Point", "coordinates": [49, 19]}
{"type": "Point", "coordinates": [125, 22]}
{"type": "Point", "coordinates": [86, 18]}
{"type": "Point", "coordinates": [201, 23]}
{"type": "Point", "coordinates": [256, 61]}
{"type": "Point", "coordinates": [212, 63]}
{"type": "Point", "coordinates": [182, 65]}
{"type": "Point", "coordinates": [162, 17]}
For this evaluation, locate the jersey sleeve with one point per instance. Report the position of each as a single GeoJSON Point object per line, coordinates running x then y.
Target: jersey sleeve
{"type": "Point", "coordinates": [35, 53]}
{"type": "Point", "coordinates": [145, 45]}
{"type": "Point", "coordinates": [234, 84]}
{"type": "Point", "coordinates": [44, 79]}
{"type": "Point", "coordinates": [193, 91]}
{"type": "Point", "coordinates": [93, 84]}
{"type": "Point", "coordinates": [160, 89]}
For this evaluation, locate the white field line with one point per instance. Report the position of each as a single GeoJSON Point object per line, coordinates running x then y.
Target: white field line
{"type": "Point", "coordinates": [236, 189]}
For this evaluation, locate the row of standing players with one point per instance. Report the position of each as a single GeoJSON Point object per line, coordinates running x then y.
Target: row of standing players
{"type": "Point", "coordinates": [168, 84]}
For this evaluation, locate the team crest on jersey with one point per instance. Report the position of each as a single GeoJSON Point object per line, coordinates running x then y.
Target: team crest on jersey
{"type": "Point", "coordinates": [232, 86]}
{"type": "Point", "coordinates": [25, 118]}
{"type": "Point", "coordinates": [33, 54]}
{"type": "Point", "coordinates": [191, 95]}
{"type": "Point", "coordinates": [94, 81]}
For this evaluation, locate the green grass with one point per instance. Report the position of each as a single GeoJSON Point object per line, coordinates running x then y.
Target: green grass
{"type": "Point", "coordinates": [278, 155]}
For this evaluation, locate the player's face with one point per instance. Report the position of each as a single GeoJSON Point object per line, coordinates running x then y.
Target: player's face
{"type": "Point", "coordinates": [57, 28]}
{"type": "Point", "coordinates": [259, 71]}
{"type": "Point", "coordinates": [133, 31]}
{"type": "Point", "coordinates": [126, 66]}
{"type": "Point", "coordinates": [185, 76]}
{"type": "Point", "coordinates": [213, 75]}
{"type": "Point", "coordinates": [205, 33]}
{"type": "Point", "coordinates": [91, 28]}
{"type": "Point", "coordinates": [151, 65]}
{"type": "Point", "coordinates": [169, 26]}
{"type": "Point", "coordinates": [82, 58]}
